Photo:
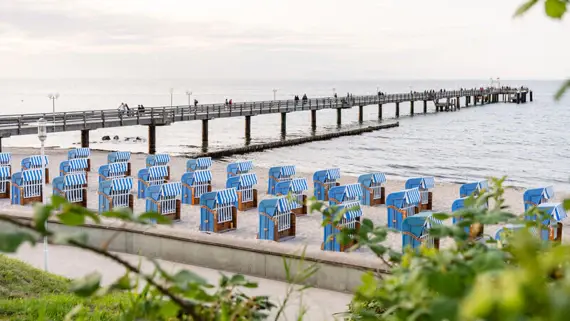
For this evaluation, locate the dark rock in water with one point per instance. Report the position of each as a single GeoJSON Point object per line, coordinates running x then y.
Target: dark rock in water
{"type": "Point", "coordinates": [138, 138]}
{"type": "Point", "coordinates": [127, 139]}
{"type": "Point", "coordinates": [106, 138]}
{"type": "Point", "coordinates": [115, 137]}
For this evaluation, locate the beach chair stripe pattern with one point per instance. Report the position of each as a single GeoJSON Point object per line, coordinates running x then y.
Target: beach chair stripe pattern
{"type": "Point", "coordinates": [353, 210]}
{"type": "Point", "coordinates": [75, 179]}
{"type": "Point", "coordinates": [378, 178]}
{"type": "Point", "coordinates": [162, 159]}
{"type": "Point", "coordinates": [116, 157]}
{"type": "Point", "coordinates": [298, 185]}
{"type": "Point", "coordinates": [333, 173]}
{"type": "Point", "coordinates": [287, 171]}
{"type": "Point", "coordinates": [36, 161]}
{"type": "Point", "coordinates": [204, 162]}
{"type": "Point", "coordinates": [78, 164]}
{"type": "Point", "coordinates": [353, 191]}
{"type": "Point", "coordinates": [157, 171]}
{"type": "Point", "coordinates": [32, 175]}
{"type": "Point", "coordinates": [245, 166]}
{"type": "Point", "coordinates": [202, 176]}
{"type": "Point", "coordinates": [430, 221]}
{"type": "Point", "coordinates": [122, 184]}
{"type": "Point", "coordinates": [248, 179]}
{"type": "Point", "coordinates": [5, 158]}
{"type": "Point", "coordinates": [428, 182]}
{"type": "Point", "coordinates": [76, 153]}
{"type": "Point", "coordinates": [226, 196]}
{"type": "Point", "coordinates": [118, 168]}
{"type": "Point", "coordinates": [4, 172]}
{"type": "Point", "coordinates": [556, 210]}
{"type": "Point", "coordinates": [412, 196]}
{"type": "Point", "coordinates": [548, 192]}
{"type": "Point", "coordinates": [283, 205]}
{"type": "Point", "coordinates": [171, 189]}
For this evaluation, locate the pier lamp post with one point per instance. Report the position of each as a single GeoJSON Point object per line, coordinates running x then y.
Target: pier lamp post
{"type": "Point", "coordinates": [171, 94]}
{"type": "Point", "coordinates": [189, 94]}
{"type": "Point", "coordinates": [274, 94]}
{"type": "Point", "coordinates": [53, 98]}
{"type": "Point", "coordinates": [42, 135]}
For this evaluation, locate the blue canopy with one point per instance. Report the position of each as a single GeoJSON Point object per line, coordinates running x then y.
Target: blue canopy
{"type": "Point", "coordinates": [75, 179]}
{"type": "Point", "coordinates": [226, 196]}
{"type": "Point", "coordinates": [78, 163]}
{"type": "Point", "coordinates": [162, 158]}
{"type": "Point", "coordinates": [122, 184]}
{"type": "Point", "coordinates": [171, 189]}
{"type": "Point", "coordinates": [298, 185]}
{"type": "Point", "coordinates": [555, 210]}
{"type": "Point", "coordinates": [114, 157]}
{"type": "Point", "coordinates": [82, 152]}
{"type": "Point", "coordinates": [288, 170]}
{"type": "Point", "coordinates": [248, 179]}
{"type": "Point", "coordinates": [202, 176]}
{"type": "Point", "coordinates": [4, 172]}
{"type": "Point", "coordinates": [353, 190]}
{"type": "Point", "coordinates": [245, 166]}
{"type": "Point", "coordinates": [31, 175]}
{"type": "Point", "coordinates": [157, 171]}
{"type": "Point", "coordinates": [35, 161]}
{"type": "Point", "coordinates": [430, 221]}
{"type": "Point", "coordinates": [204, 162]}
{"type": "Point", "coordinates": [425, 182]}
{"type": "Point", "coordinates": [353, 210]}
{"type": "Point", "coordinates": [115, 168]}
{"type": "Point", "coordinates": [5, 158]}
{"type": "Point", "coordinates": [283, 205]}
{"type": "Point", "coordinates": [412, 196]}
{"type": "Point", "coordinates": [333, 174]}
{"type": "Point", "coordinates": [378, 178]}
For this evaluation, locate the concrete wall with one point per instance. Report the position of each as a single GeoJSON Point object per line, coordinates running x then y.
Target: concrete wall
{"type": "Point", "coordinates": [336, 271]}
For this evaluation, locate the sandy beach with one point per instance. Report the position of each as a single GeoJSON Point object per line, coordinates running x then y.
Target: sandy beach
{"type": "Point", "coordinates": [309, 230]}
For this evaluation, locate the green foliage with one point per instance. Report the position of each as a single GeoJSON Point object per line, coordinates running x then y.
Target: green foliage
{"type": "Point", "coordinates": [20, 280]}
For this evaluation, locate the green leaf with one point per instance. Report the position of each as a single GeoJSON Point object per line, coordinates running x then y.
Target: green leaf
{"type": "Point", "coordinates": [71, 218]}
{"type": "Point", "coordinates": [565, 86]}
{"type": "Point", "coordinates": [41, 215]}
{"type": "Point", "coordinates": [65, 239]}
{"type": "Point", "coordinates": [555, 8]}
{"type": "Point", "coordinates": [567, 204]}
{"type": "Point", "coordinates": [123, 283]}
{"type": "Point", "coordinates": [185, 276]}
{"type": "Point", "coordinates": [123, 215]}
{"type": "Point", "coordinates": [441, 216]}
{"type": "Point", "coordinates": [87, 285]}
{"type": "Point", "coordinates": [57, 201]}
{"type": "Point", "coordinates": [11, 241]}
{"type": "Point", "coordinates": [159, 218]}
{"type": "Point", "coordinates": [169, 310]}
{"type": "Point", "coordinates": [525, 7]}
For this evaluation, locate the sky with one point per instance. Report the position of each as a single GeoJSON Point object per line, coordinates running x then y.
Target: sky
{"type": "Point", "coordinates": [278, 39]}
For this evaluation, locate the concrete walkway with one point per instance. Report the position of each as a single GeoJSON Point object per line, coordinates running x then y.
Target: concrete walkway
{"type": "Point", "coordinates": [74, 263]}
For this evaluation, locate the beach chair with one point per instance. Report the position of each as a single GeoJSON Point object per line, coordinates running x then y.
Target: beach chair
{"type": "Point", "coordinates": [218, 212]}
{"type": "Point", "coordinates": [74, 166]}
{"type": "Point", "coordinates": [115, 193]}
{"type": "Point", "coordinates": [239, 168]}
{"type": "Point", "coordinates": [295, 187]}
{"type": "Point", "coordinates": [72, 187]}
{"type": "Point", "coordinates": [474, 232]}
{"type": "Point", "coordinates": [80, 153]}
{"type": "Point", "coordinates": [551, 229]}
{"type": "Point", "coordinates": [150, 176]}
{"type": "Point", "coordinates": [113, 170]}
{"type": "Point", "coordinates": [279, 174]}
{"type": "Point", "coordinates": [199, 164]}
{"type": "Point", "coordinates": [276, 220]}
{"type": "Point", "coordinates": [473, 188]}
{"type": "Point", "coordinates": [424, 184]}
{"type": "Point", "coordinates": [5, 177]}
{"type": "Point", "coordinates": [194, 184]}
{"type": "Point", "coordinates": [323, 181]}
{"type": "Point", "coordinates": [35, 162]}
{"type": "Point", "coordinates": [401, 205]}
{"type": "Point", "coordinates": [159, 160]}
{"type": "Point", "coordinates": [120, 157]}
{"type": "Point", "coordinates": [27, 187]}
{"type": "Point", "coordinates": [352, 212]}
{"type": "Point", "coordinates": [165, 200]}
{"type": "Point", "coordinates": [415, 231]}
{"type": "Point", "coordinates": [247, 194]}
{"type": "Point", "coordinates": [373, 193]}
{"type": "Point", "coordinates": [536, 196]}
{"type": "Point", "coordinates": [6, 160]}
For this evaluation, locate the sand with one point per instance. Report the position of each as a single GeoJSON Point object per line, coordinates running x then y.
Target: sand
{"type": "Point", "coordinates": [309, 231]}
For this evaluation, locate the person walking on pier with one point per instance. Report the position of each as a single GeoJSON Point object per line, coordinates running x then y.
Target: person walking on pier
{"type": "Point", "coordinates": [195, 103]}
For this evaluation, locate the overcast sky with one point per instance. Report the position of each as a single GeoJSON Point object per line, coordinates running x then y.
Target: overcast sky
{"type": "Point", "coordinates": [381, 39]}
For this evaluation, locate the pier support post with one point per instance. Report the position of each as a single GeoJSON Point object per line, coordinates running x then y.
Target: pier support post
{"type": "Point", "coordinates": [458, 102]}
{"type": "Point", "coordinates": [379, 111]}
{"type": "Point", "coordinates": [0, 144]}
{"type": "Point", "coordinates": [247, 130]}
{"type": "Point", "coordinates": [425, 106]}
{"type": "Point", "coordinates": [85, 138]}
{"type": "Point", "coordinates": [283, 124]}
{"type": "Point", "coordinates": [204, 132]}
{"type": "Point", "coordinates": [339, 116]}
{"type": "Point", "coordinates": [314, 119]}
{"type": "Point", "coordinates": [152, 139]}
{"type": "Point", "coordinates": [397, 110]}
{"type": "Point", "coordinates": [518, 98]}
{"type": "Point", "coordinates": [474, 100]}
{"type": "Point", "coordinates": [530, 95]}
{"type": "Point", "coordinates": [411, 108]}
{"type": "Point", "coordinates": [360, 114]}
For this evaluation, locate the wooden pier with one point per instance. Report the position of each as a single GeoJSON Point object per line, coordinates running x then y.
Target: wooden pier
{"type": "Point", "coordinates": [85, 121]}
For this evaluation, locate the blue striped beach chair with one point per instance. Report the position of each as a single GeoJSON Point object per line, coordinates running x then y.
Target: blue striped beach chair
{"type": "Point", "coordinates": [194, 184]}
{"type": "Point", "coordinates": [344, 197]}
{"type": "Point", "coordinates": [35, 162]}
{"type": "Point", "coordinates": [113, 170]}
{"type": "Point", "coordinates": [401, 205]}
{"type": "Point", "coordinates": [73, 187]}
{"type": "Point", "coordinates": [323, 181]}
{"type": "Point", "coordinates": [277, 222]}
{"type": "Point", "coordinates": [296, 188]}
{"type": "Point", "coordinates": [165, 200]}
{"type": "Point", "coordinates": [5, 177]}
{"type": "Point", "coordinates": [239, 168]}
{"type": "Point", "coordinates": [115, 194]}
{"type": "Point", "coordinates": [6, 160]}
{"type": "Point", "coordinates": [536, 196]}
{"type": "Point", "coordinates": [279, 174]}
{"type": "Point", "coordinates": [74, 166]}
{"type": "Point", "coordinates": [80, 153]}
{"type": "Point", "coordinates": [27, 187]}
{"type": "Point", "coordinates": [424, 184]}
{"type": "Point", "coordinates": [246, 191]}
{"type": "Point", "coordinates": [218, 212]}
{"type": "Point", "coordinates": [415, 231]}
{"type": "Point", "coordinates": [120, 157]}
{"type": "Point", "coordinates": [150, 176]}
{"type": "Point", "coordinates": [373, 193]}
{"type": "Point", "coordinates": [199, 164]}
{"type": "Point", "coordinates": [159, 160]}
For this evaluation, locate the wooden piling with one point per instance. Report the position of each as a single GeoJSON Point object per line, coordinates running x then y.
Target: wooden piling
{"type": "Point", "coordinates": [379, 111]}
{"type": "Point", "coordinates": [204, 132]}
{"type": "Point", "coordinates": [314, 119]}
{"type": "Point", "coordinates": [152, 139]}
{"type": "Point", "coordinates": [425, 106]}
{"type": "Point", "coordinates": [0, 144]}
{"type": "Point", "coordinates": [411, 108]}
{"type": "Point", "coordinates": [283, 123]}
{"type": "Point", "coordinates": [397, 110]}
{"type": "Point", "coordinates": [339, 116]}
{"type": "Point", "coordinates": [458, 103]}
{"type": "Point", "coordinates": [530, 95]}
{"type": "Point", "coordinates": [85, 138]}
{"type": "Point", "coordinates": [247, 130]}
{"type": "Point", "coordinates": [360, 114]}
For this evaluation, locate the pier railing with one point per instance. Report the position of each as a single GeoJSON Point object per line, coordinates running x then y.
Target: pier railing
{"type": "Point", "coordinates": [24, 124]}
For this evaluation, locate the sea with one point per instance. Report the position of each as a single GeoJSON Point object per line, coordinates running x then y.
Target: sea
{"type": "Point", "coordinates": [528, 143]}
